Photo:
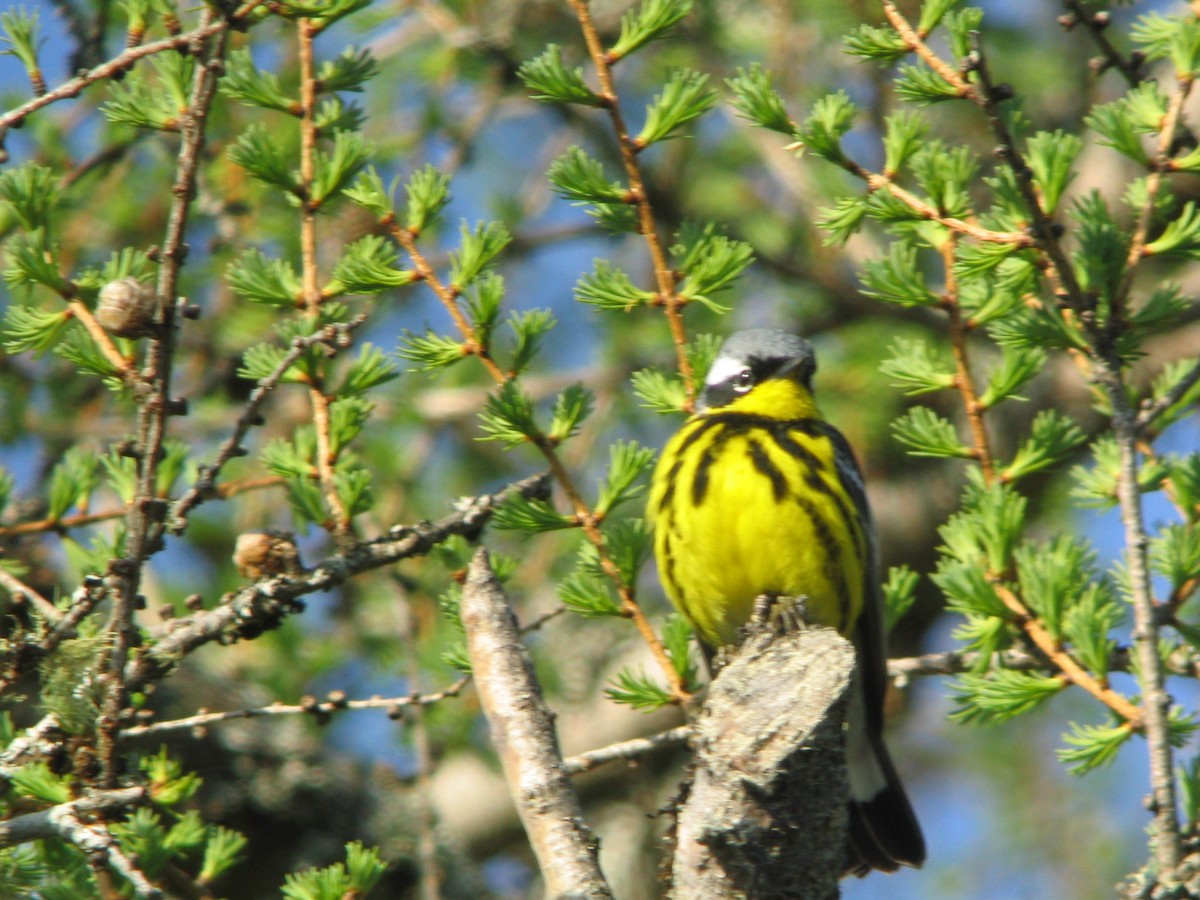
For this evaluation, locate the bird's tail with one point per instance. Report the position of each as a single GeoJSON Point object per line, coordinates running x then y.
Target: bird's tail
{"type": "Point", "coordinates": [883, 833]}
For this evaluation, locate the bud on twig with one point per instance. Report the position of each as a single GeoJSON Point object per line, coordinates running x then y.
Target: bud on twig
{"type": "Point", "coordinates": [260, 554]}
{"type": "Point", "coordinates": [127, 308]}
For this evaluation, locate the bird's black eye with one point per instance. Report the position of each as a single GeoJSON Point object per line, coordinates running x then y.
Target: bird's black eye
{"type": "Point", "coordinates": [742, 381]}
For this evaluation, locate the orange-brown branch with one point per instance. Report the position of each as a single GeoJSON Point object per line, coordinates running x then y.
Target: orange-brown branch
{"type": "Point", "coordinates": [1162, 162]}
{"type": "Point", "coordinates": [97, 333]}
{"type": "Point", "coordinates": [587, 520]}
{"type": "Point", "coordinates": [877, 182]}
{"type": "Point", "coordinates": [1044, 641]}
{"type": "Point", "coordinates": [963, 379]}
{"type": "Point", "coordinates": [664, 276]}
{"type": "Point", "coordinates": [448, 296]}
{"type": "Point", "coordinates": [310, 284]}
{"type": "Point", "coordinates": [917, 44]}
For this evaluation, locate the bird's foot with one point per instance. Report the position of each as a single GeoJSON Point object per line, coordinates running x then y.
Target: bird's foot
{"type": "Point", "coordinates": [779, 615]}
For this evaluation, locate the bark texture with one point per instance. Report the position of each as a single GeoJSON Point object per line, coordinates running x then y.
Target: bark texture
{"type": "Point", "coordinates": [765, 817]}
{"type": "Point", "coordinates": [523, 734]}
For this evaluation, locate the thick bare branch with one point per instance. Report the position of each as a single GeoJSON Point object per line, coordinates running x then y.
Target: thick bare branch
{"type": "Point", "coordinates": [524, 737]}
{"type": "Point", "coordinates": [47, 823]}
{"type": "Point", "coordinates": [765, 816]}
{"type": "Point", "coordinates": [66, 822]}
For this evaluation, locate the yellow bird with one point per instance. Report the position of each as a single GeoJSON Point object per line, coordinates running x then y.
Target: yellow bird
{"type": "Point", "coordinates": [758, 495]}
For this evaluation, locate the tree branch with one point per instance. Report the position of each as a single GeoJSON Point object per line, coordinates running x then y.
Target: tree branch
{"type": "Point", "coordinates": [1063, 661]}
{"type": "Point", "coordinates": [668, 297]}
{"type": "Point", "coordinates": [319, 400]}
{"type": "Point", "coordinates": [332, 339]}
{"type": "Point", "coordinates": [144, 522]}
{"type": "Point", "coordinates": [1156, 702]}
{"type": "Point", "coordinates": [47, 823]}
{"type": "Point", "coordinates": [322, 710]}
{"type": "Point", "coordinates": [916, 43]}
{"type": "Point", "coordinates": [1162, 163]}
{"type": "Point", "coordinates": [765, 816]}
{"type": "Point", "coordinates": [1130, 69]}
{"type": "Point", "coordinates": [265, 604]}
{"type": "Point", "coordinates": [627, 750]}
{"type": "Point", "coordinates": [964, 379]}
{"type": "Point", "coordinates": [121, 63]}
{"type": "Point", "coordinates": [523, 735]}
{"type": "Point", "coordinates": [22, 593]}
{"type": "Point", "coordinates": [1149, 414]}
{"type": "Point", "coordinates": [588, 522]}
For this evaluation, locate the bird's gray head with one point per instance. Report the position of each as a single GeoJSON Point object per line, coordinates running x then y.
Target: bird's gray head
{"type": "Point", "coordinates": [752, 356]}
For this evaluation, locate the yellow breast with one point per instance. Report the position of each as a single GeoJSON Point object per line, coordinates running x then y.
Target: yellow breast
{"type": "Point", "coordinates": [746, 504]}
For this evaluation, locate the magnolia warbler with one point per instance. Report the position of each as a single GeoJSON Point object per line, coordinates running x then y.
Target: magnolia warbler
{"type": "Point", "coordinates": [758, 495]}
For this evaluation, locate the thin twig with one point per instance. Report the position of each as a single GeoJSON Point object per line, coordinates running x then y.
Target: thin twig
{"type": "Point", "coordinates": [120, 63]}
{"type": "Point", "coordinates": [876, 182]}
{"type": "Point", "coordinates": [664, 276]}
{"type": "Point", "coordinates": [917, 44]}
{"type": "Point", "coordinates": [321, 709]}
{"type": "Point", "coordinates": [448, 294]}
{"type": "Point", "coordinates": [79, 520]}
{"type": "Point", "coordinates": [1150, 414]}
{"type": "Point", "coordinates": [66, 522]}
{"type": "Point", "coordinates": [1161, 164]}
{"type": "Point", "coordinates": [205, 483]}
{"type": "Point", "coordinates": [1130, 69]}
{"type": "Point", "coordinates": [96, 332]}
{"type": "Point", "coordinates": [430, 871]}
{"type": "Point", "coordinates": [626, 750]}
{"type": "Point", "coordinates": [1044, 232]}
{"type": "Point", "coordinates": [954, 662]}
{"type": "Point", "coordinates": [950, 662]}
{"type": "Point", "coordinates": [20, 591]}
{"type": "Point", "coordinates": [1180, 595]}
{"type": "Point", "coordinates": [541, 620]}
{"type": "Point", "coordinates": [1033, 627]}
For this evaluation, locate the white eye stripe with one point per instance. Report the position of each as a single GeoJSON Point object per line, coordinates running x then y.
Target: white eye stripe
{"type": "Point", "coordinates": [723, 369]}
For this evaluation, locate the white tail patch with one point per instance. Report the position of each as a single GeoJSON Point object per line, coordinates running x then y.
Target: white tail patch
{"type": "Point", "coordinates": [866, 776]}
